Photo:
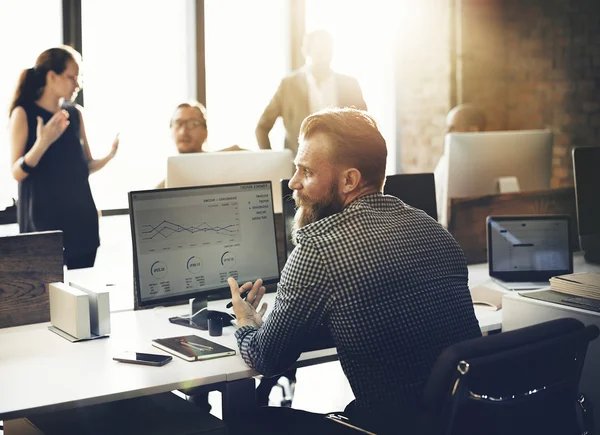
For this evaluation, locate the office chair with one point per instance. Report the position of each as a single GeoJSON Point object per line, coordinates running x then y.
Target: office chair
{"type": "Point", "coordinates": [524, 381]}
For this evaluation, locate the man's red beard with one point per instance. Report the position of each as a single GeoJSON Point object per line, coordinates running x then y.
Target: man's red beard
{"type": "Point", "coordinates": [309, 211]}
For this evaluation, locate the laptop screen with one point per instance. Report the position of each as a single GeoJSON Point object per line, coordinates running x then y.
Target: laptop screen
{"type": "Point", "coordinates": [529, 248]}
{"type": "Point", "coordinates": [188, 241]}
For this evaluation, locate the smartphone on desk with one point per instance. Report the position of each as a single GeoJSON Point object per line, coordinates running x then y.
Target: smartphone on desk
{"type": "Point", "coordinates": [147, 359]}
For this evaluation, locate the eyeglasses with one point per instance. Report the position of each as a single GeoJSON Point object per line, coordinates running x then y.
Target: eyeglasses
{"type": "Point", "coordinates": [189, 123]}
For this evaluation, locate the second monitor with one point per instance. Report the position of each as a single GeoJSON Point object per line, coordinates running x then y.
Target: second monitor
{"type": "Point", "coordinates": [202, 169]}
{"type": "Point", "coordinates": [477, 161]}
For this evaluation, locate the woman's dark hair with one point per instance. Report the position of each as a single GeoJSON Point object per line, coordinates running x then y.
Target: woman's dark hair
{"type": "Point", "coordinates": [33, 80]}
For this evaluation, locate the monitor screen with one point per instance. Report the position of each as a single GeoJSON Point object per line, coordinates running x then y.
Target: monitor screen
{"type": "Point", "coordinates": [188, 241]}
{"type": "Point", "coordinates": [529, 248]}
{"type": "Point", "coordinates": [200, 169]}
{"type": "Point", "coordinates": [416, 190]}
{"type": "Point", "coordinates": [476, 161]}
{"type": "Point", "coordinates": [586, 172]}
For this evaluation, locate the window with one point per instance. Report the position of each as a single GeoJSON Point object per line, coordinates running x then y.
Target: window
{"type": "Point", "coordinates": [25, 35]}
{"type": "Point", "coordinates": [247, 55]}
{"type": "Point", "coordinates": [138, 65]}
{"type": "Point", "coordinates": [364, 42]}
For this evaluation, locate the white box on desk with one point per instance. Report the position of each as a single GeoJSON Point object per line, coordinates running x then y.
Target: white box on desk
{"type": "Point", "coordinates": [70, 310]}
{"type": "Point", "coordinates": [99, 308]}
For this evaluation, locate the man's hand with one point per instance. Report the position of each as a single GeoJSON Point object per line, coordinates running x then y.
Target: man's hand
{"type": "Point", "coordinates": [245, 310]}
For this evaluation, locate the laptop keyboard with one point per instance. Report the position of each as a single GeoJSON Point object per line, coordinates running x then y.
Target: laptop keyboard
{"type": "Point", "coordinates": [589, 304]}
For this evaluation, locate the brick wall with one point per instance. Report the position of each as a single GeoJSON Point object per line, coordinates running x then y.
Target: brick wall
{"type": "Point", "coordinates": [535, 64]}
{"type": "Point", "coordinates": [423, 84]}
{"type": "Point", "coordinates": [529, 64]}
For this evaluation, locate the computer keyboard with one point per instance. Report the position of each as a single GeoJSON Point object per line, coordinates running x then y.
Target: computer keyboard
{"type": "Point", "coordinates": [586, 303]}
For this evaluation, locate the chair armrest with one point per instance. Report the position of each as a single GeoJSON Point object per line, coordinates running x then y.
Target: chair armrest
{"type": "Point", "coordinates": [587, 414]}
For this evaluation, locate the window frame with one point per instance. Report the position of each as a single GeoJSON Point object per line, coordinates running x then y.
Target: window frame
{"type": "Point", "coordinates": [72, 35]}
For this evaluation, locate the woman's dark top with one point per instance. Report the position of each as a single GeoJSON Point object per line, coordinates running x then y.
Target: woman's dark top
{"type": "Point", "coordinates": [57, 195]}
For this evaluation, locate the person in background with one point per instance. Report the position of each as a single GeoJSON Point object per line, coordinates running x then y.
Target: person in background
{"type": "Point", "coordinates": [390, 284]}
{"type": "Point", "coordinates": [51, 157]}
{"type": "Point", "coordinates": [189, 130]}
{"type": "Point", "coordinates": [308, 90]}
{"type": "Point", "coordinates": [464, 118]}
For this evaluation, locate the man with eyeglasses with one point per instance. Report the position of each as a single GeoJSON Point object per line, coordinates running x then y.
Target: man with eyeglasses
{"type": "Point", "coordinates": [189, 130]}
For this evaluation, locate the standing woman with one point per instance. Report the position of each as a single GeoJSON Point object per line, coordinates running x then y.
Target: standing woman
{"type": "Point", "coordinates": [51, 158]}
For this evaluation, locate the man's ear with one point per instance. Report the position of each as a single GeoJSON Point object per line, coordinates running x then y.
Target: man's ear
{"type": "Point", "coordinates": [351, 180]}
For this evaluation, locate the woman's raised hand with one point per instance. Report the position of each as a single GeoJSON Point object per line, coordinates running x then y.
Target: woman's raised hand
{"type": "Point", "coordinates": [53, 129]}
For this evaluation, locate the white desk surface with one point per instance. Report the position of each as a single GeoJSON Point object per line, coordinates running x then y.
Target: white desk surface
{"type": "Point", "coordinates": [44, 372]}
{"type": "Point", "coordinates": [40, 371]}
{"type": "Point", "coordinates": [519, 303]}
{"type": "Point", "coordinates": [479, 275]}
{"type": "Point", "coordinates": [121, 290]}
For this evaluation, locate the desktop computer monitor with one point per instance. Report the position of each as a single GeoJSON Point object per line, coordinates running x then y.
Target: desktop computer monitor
{"type": "Point", "coordinates": [200, 169]}
{"type": "Point", "coordinates": [586, 173]}
{"type": "Point", "coordinates": [477, 161]}
{"type": "Point", "coordinates": [416, 190]}
{"type": "Point", "coordinates": [188, 241]}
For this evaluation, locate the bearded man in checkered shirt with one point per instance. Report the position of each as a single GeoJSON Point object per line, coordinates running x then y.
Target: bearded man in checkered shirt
{"type": "Point", "coordinates": [386, 280]}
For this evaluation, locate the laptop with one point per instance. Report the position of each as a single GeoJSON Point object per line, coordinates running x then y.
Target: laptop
{"type": "Point", "coordinates": [524, 252]}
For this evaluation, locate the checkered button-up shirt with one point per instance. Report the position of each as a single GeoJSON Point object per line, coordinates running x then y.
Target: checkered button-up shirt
{"type": "Point", "coordinates": [390, 284]}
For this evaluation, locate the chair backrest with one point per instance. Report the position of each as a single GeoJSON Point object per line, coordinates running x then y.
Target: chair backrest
{"type": "Point", "coordinates": [518, 382]}
{"type": "Point", "coordinates": [28, 263]}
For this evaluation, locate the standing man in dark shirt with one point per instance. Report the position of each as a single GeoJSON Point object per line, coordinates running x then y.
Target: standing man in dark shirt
{"type": "Point", "coordinates": [388, 281]}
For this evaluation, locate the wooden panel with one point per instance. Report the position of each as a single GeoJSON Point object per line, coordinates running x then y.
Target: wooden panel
{"type": "Point", "coordinates": [467, 215]}
{"type": "Point", "coordinates": [28, 262]}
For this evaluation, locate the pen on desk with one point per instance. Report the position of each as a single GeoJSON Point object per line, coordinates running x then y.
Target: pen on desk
{"type": "Point", "coordinates": [243, 296]}
{"type": "Point", "coordinates": [196, 346]}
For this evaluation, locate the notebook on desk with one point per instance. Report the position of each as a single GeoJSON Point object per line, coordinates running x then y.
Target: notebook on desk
{"type": "Point", "coordinates": [524, 252]}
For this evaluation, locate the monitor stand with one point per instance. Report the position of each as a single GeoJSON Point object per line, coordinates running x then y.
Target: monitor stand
{"type": "Point", "coordinates": [198, 315]}
{"type": "Point", "coordinates": [592, 257]}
